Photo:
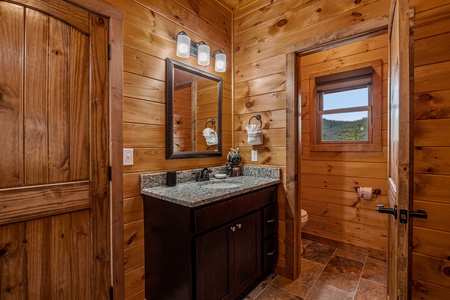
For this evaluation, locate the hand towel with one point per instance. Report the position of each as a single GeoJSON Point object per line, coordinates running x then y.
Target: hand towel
{"type": "Point", "coordinates": [254, 133]}
{"type": "Point", "coordinates": [210, 136]}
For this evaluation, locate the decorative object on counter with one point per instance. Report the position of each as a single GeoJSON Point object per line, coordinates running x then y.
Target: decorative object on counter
{"type": "Point", "coordinates": [255, 136]}
{"type": "Point", "coordinates": [201, 50]}
{"type": "Point", "coordinates": [234, 156]}
{"type": "Point", "coordinates": [229, 167]}
{"type": "Point", "coordinates": [171, 178]}
{"type": "Point", "coordinates": [210, 133]}
{"type": "Point", "coordinates": [220, 176]}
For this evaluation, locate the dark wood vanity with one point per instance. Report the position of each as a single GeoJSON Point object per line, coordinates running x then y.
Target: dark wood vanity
{"type": "Point", "coordinates": [216, 251]}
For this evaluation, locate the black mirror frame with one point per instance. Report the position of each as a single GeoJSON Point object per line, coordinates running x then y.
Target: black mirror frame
{"type": "Point", "coordinates": [170, 73]}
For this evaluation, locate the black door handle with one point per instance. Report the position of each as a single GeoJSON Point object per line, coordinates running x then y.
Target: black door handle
{"type": "Point", "coordinates": [391, 211]}
{"type": "Point", "coordinates": [421, 214]}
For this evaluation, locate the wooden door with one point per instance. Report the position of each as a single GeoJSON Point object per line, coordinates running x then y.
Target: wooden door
{"type": "Point", "coordinates": [400, 145]}
{"type": "Point", "coordinates": [54, 189]}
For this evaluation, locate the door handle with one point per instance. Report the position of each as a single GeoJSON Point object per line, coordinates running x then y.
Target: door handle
{"type": "Point", "coordinates": [391, 211]}
{"type": "Point", "coordinates": [421, 214]}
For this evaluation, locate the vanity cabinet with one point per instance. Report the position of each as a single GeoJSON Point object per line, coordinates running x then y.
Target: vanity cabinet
{"type": "Point", "coordinates": [216, 251]}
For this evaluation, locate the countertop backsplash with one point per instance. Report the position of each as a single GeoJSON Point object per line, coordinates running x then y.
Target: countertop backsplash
{"type": "Point", "coordinates": [159, 179]}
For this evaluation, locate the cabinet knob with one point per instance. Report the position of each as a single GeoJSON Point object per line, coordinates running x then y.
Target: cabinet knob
{"type": "Point", "coordinates": [239, 225]}
{"type": "Point", "coordinates": [233, 228]}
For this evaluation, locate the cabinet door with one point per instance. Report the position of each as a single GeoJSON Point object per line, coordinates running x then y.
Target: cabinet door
{"type": "Point", "coordinates": [247, 241]}
{"type": "Point", "coordinates": [214, 263]}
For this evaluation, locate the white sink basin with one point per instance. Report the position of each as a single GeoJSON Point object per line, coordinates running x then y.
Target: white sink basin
{"type": "Point", "coordinates": [221, 185]}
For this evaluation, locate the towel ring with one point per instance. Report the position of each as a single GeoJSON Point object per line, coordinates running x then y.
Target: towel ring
{"type": "Point", "coordinates": [258, 117]}
{"type": "Point", "coordinates": [213, 122]}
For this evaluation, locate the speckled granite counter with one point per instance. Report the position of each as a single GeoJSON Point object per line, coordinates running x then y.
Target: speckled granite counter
{"type": "Point", "coordinates": [191, 194]}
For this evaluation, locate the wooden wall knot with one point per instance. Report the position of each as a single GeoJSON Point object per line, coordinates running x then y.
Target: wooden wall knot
{"type": "Point", "coordinates": [248, 104]}
{"type": "Point", "coordinates": [446, 271]}
{"type": "Point", "coordinates": [131, 239]}
{"type": "Point", "coordinates": [425, 97]}
{"type": "Point", "coordinates": [3, 101]}
{"type": "Point", "coordinates": [5, 250]}
{"type": "Point", "coordinates": [356, 14]}
{"type": "Point", "coordinates": [101, 21]}
{"type": "Point", "coordinates": [282, 22]}
{"type": "Point", "coordinates": [318, 10]}
{"type": "Point", "coordinates": [357, 1]}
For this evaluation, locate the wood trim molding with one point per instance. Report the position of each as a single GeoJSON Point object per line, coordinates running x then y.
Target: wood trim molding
{"type": "Point", "coordinates": [293, 213]}
{"type": "Point", "coordinates": [116, 137]}
{"type": "Point", "coordinates": [342, 36]}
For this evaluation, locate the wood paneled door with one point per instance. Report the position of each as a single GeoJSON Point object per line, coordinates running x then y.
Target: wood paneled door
{"type": "Point", "coordinates": [400, 151]}
{"type": "Point", "coordinates": [54, 153]}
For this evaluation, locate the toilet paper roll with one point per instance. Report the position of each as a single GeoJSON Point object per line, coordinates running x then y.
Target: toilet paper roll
{"type": "Point", "coordinates": [365, 193]}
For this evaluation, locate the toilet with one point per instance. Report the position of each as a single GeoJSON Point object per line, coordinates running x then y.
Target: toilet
{"type": "Point", "coordinates": [304, 218]}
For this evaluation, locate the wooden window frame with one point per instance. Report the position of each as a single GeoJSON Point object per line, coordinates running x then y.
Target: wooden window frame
{"type": "Point", "coordinates": [374, 111]}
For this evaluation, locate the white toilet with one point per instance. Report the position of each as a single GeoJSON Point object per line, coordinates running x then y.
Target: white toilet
{"type": "Point", "coordinates": [304, 219]}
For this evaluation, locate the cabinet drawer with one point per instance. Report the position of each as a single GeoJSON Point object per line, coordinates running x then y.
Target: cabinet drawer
{"type": "Point", "coordinates": [270, 253]}
{"type": "Point", "coordinates": [220, 213]}
{"type": "Point", "coordinates": [270, 220]}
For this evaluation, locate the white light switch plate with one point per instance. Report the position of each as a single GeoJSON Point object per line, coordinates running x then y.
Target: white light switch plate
{"type": "Point", "coordinates": [254, 155]}
{"type": "Point", "coordinates": [127, 157]}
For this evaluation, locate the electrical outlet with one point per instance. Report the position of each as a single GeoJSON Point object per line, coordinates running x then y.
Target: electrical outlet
{"type": "Point", "coordinates": [254, 155]}
{"type": "Point", "coordinates": [127, 157]}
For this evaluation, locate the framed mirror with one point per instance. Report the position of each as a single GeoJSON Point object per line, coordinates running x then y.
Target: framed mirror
{"type": "Point", "coordinates": [193, 112]}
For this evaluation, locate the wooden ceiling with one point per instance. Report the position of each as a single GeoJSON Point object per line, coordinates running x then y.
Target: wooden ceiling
{"type": "Point", "coordinates": [235, 4]}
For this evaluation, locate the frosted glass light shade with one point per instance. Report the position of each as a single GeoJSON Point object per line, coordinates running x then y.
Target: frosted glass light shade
{"type": "Point", "coordinates": [203, 54]}
{"type": "Point", "coordinates": [183, 45]}
{"type": "Point", "coordinates": [221, 62]}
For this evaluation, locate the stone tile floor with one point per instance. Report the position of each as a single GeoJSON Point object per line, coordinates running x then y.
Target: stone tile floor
{"type": "Point", "coordinates": [328, 273]}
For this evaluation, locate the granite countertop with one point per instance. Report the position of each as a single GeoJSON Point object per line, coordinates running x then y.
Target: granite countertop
{"type": "Point", "coordinates": [193, 194]}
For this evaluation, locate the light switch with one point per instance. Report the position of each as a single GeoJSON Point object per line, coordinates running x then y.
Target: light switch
{"type": "Point", "coordinates": [254, 155]}
{"type": "Point", "coordinates": [127, 157]}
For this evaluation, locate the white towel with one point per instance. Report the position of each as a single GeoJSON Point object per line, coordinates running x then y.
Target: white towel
{"type": "Point", "coordinates": [254, 133]}
{"type": "Point", "coordinates": [210, 136]}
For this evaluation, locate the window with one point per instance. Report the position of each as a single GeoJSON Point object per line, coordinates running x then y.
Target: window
{"type": "Point", "coordinates": [345, 109]}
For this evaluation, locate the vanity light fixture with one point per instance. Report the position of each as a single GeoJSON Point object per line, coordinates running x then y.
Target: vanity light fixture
{"type": "Point", "coordinates": [185, 48]}
{"type": "Point", "coordinates": [203, 54]}
{"type": "Point", "coordinates": [221, 61]}
{"type": "Point", "coordinates": [183, 44]}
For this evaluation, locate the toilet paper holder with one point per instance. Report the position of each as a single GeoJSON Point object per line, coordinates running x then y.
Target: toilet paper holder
{"type": "Point", "coordinates": [375, 191]}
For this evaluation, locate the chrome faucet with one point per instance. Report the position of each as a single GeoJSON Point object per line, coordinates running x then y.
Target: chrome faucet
{"type": "Point", "coordinates": [203, 175]}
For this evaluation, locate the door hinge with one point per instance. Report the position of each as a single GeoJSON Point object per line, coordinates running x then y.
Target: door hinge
{"type": "Point", "coordinates": [109, 173]}
{"type": "Point", "coordinates": [109, 51]}
{"type": "Point", "coordinates": [296, 177]}
{"type": "Point", "coordinates": [111, 293]}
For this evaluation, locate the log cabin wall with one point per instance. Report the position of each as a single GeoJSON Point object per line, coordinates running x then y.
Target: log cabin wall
{"type": "Point", "coordinates": [148, 28]}
{"type": "Point", "coordinates": [431, 237]}
{"type": "Point", "coordinates": [262, 31]}
{"type": "Point", "coordinates": [328, 178]}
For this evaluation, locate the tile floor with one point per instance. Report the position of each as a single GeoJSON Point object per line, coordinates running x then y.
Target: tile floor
{"type": "Point", "coordinates": [328, 273]}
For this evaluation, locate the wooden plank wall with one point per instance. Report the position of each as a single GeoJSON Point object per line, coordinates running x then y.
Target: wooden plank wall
{"type": "Point", "coordinates": [431, 237]}
{"type": "Point", "coordinates": [148, 28]}
{"type": "Point", "coordinates": [328, 178]}
{"type": "Point", "coordinates": [262, 31]}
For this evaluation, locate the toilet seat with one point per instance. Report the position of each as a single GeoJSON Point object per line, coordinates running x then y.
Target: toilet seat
{"type": "Point", "coordinates": [304, 217]}
{"type": "Point", "coordinates": [304, 213]}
